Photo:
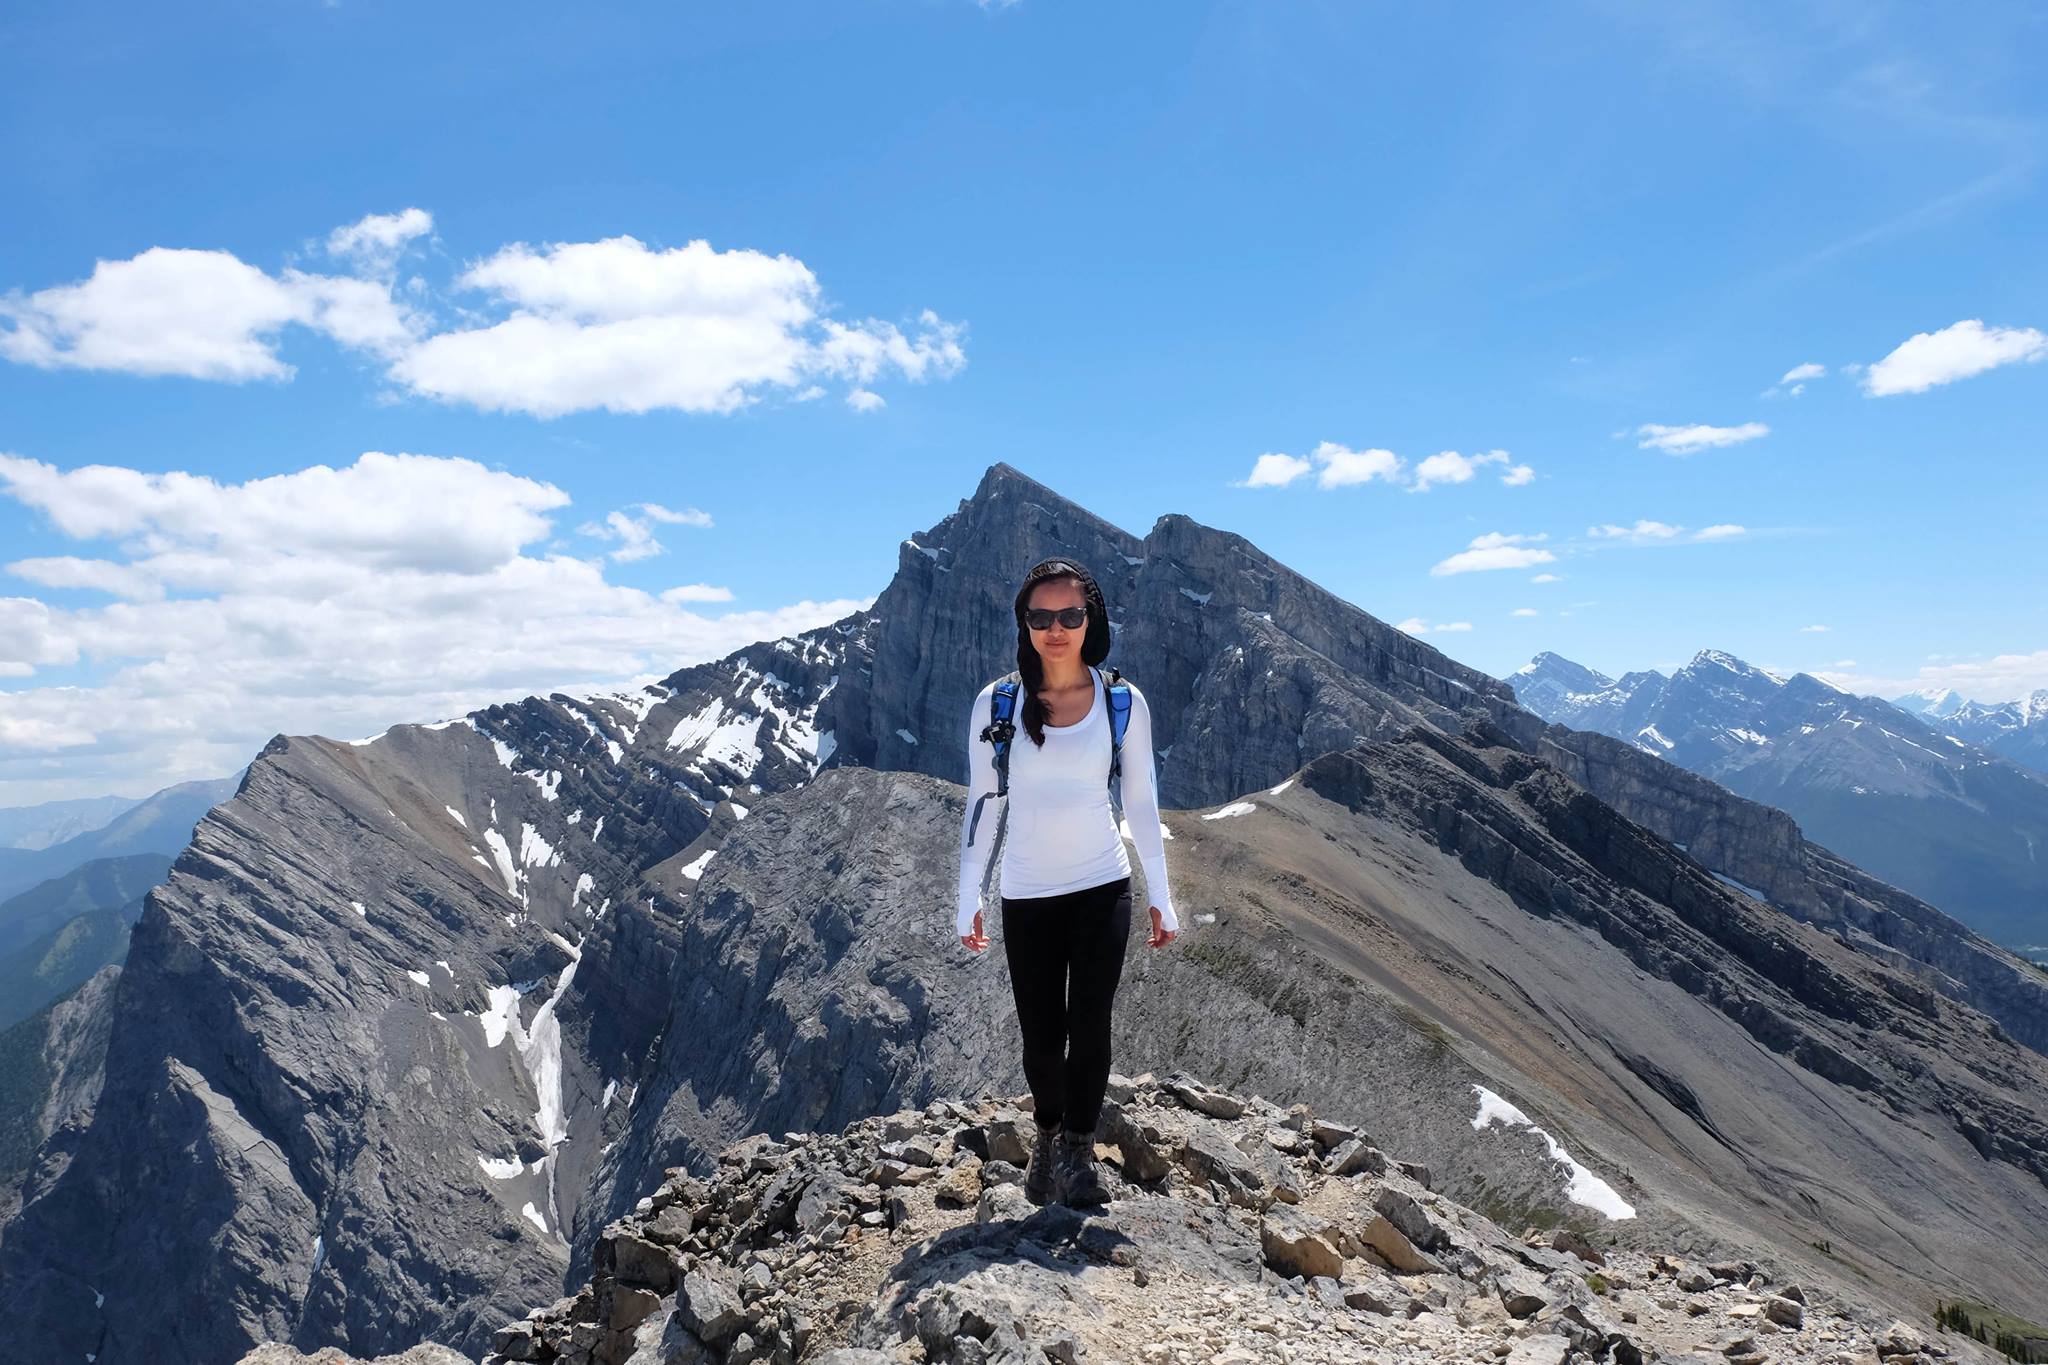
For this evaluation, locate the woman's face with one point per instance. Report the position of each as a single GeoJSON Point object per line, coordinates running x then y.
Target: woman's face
{"type": "Point", "coordinates": [1056, 642]}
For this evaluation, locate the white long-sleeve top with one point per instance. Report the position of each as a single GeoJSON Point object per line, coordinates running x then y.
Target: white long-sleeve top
{"type": "Point", "coordinates": [1062, 834]}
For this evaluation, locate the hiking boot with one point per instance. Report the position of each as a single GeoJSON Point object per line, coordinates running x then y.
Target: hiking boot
{"type": "Point", "coordinates": [1079, 1179]}
{"type": "Point", "coordinates": [1038, 1171]}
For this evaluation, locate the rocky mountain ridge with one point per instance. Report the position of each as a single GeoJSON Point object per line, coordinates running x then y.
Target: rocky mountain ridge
{"type": "Point", "coordinates": [415, 1018]}
{"type": "Point", "coordinates": [1897, 795]}
{"type": "Point", "coordinates": [2018, 729]}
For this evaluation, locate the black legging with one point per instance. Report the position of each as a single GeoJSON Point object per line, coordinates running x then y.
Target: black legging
{"type": "Point", "coordinates": [1066, 956]}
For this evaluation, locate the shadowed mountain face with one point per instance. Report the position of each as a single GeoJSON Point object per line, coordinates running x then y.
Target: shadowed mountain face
{"type": "Point", "coordinates": [50, 1070]}
{"type": "Point", "coordinates": [1900, 797]}
{"type": "Point", "coordinates": [413, 1018]}
{"type": "Point", "coordinates": [56, 934]}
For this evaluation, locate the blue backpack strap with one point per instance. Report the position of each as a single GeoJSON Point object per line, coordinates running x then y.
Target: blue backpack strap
{"type": "Point", "coordinates": [1002, 705]}
{"type": "Point", "coordinates": [1119, 694]}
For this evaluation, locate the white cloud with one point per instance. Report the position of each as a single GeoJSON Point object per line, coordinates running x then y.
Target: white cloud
{"type": "Point", "coordinates": [1843, 663]}
{"type": "Point", "coordinates": [1276, 471]}
{"type": "Point", "coordinates": [375, 243]}
{"type": "Point", "coordinates": [1547, 578]}
{"type": "Point", "coordinates": [1448, 466]}
{"type": "Point", "coordinates": [872, 349]}
{"type": "Point", "coordinates": [1647, 532]}
{"type": "Point", "coordinates": [1813, 630]}
{"type": "Point", "coordinates": [864, 400]}
{"type": "Point", "coordinates": [30, 638]}
{"type": "Point", "coordinates": [1689, 439]}
{"type": "Point", "coordinates": [328, 601]}
{"type": "Point", "coordinates": [1794, 381]}
{"type": "Point", "coordinates": [1415, 625]}
{"type": "Point", "coordinates": [636, 538]}
{"type": "Point", "coordinates": [196, 314]}
{"type": "Point", "coordinates": [1494, 550]}
{"type": "Point", "coordinates": [1641, 531]}
{"type": "Point", "coordinates": [616, 325]}
{"type": "Point", "coordinates": [103, 575]}
{"type": "Point", "coordinates": [1343, 467]}
{"type": "Point", "coordinates": [635, 534]}
{"type": "Point", "coordinates": [696, 592]}
{"type": "Point", "coordinates": [391, 511]}
{"type": "Point", "coordinates": [689, 516]}
{"type": "Point", "coordinates": [566, 327]}
{"type": "Point", "coordinates": [355, 312]}
{"type": "Point", "coordinates": [1967, 348]}
{"type": "Point", "coordinates": [1525, 611]}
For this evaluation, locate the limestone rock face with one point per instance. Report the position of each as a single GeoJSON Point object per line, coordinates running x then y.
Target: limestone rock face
{"type": "Point", "coordinates": [413, 1020]}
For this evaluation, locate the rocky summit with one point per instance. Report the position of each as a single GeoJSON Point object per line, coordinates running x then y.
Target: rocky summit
{"type": "Point", "coordinates": [1239, 1233]}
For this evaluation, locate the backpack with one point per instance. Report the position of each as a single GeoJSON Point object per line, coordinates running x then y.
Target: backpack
{"type": "Point", "coordinates": [1000, 730]}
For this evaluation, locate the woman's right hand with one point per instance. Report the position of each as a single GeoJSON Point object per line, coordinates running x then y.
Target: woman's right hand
{"type": "Point", "coordinates": [977, 940]}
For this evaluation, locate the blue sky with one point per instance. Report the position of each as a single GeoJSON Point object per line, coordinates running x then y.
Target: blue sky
{"type": "Point", "coordinates": [1254, 263]}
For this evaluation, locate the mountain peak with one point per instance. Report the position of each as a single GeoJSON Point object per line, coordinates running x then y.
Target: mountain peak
{"type": "Point", "coordinates": [1939, 703]}
{"type": "Point", "coordinates": [1002, 478]}
{"type": "Point", "coordinates": [1547, 659]}
{"type": "Point", "coordinates": [1720, 660]}
{"type": "Point", "coordinates": [1557, 677]}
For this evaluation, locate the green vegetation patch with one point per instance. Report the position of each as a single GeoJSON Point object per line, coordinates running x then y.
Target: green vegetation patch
{"type": "Point", "coordinates": [2002, 1331]}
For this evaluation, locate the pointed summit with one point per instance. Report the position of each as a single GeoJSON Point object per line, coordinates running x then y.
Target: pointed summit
{"type": "Point", "coordinates": [1246, 663]}
{"type": "Point", "coordinates": [1708, 659]}
{"type": "Point", "coordinates": [1935, 703]}
{"type": "Point", "coordinates": [1550, 683]}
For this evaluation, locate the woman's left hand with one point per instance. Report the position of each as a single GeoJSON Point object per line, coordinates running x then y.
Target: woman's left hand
{"type": "Point", "coordinates": [1161, 935]}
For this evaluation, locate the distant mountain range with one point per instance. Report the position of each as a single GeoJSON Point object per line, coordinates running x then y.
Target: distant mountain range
{"type": "Point", "coordinates": [2016, 729]}
{"type": "Point", "coordinates": [160, 823]}
{"type": "Point", "coordinates": [1950, 820]}
{"type": "Point", "coordinates": [52, 822]}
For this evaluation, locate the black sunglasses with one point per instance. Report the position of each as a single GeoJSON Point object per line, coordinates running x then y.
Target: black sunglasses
{"type": "Point", "coordinates": [1073, 618]}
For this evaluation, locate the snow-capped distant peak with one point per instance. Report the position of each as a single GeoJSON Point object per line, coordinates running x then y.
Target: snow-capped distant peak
{"type": "Point", "coordinates": [1564, 674]}
{"type": "Point", "coordinates": [1938, 702]}
{"type": "Point", "coordinates": [1715, 658]}
{"type": "Point", "coordinates": [2034, 707]}
{"type": "Point", "coordinates": [1712, 661]}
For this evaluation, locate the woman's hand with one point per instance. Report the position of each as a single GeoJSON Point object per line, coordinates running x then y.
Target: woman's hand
{"type": "Point", "coordinates": [1161, 935]}
{"type": "Point", "coordinates": [977, 940]}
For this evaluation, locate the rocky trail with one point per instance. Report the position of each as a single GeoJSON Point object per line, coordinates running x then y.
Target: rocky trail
{"type": "Point", "coordinates": [1239, 1232]}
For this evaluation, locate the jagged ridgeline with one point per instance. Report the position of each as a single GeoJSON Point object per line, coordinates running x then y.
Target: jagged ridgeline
{"type": "Point", "coordinates": [414, 1018]}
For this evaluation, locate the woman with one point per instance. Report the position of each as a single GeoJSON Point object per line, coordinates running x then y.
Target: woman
{"type": "Point", "coordinates": [1066, 881]}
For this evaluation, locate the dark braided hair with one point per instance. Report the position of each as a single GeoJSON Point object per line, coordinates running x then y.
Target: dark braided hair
{"type": "Point", "coordinates": [1094, 646]}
